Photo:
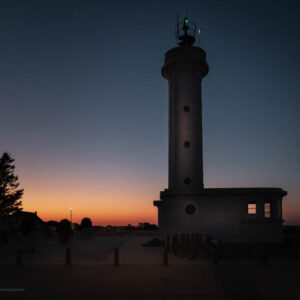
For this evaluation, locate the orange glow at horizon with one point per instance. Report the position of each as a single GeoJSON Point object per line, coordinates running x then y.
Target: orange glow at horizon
{"type": "Point", "coordinates": [111, 209]}
{"type": "Point", "coordinates": [113, 197]}
{"type": "Point", "coordinates": [125, 203]}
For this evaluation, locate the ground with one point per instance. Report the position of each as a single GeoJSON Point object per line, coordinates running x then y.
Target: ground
{"type": "Point", "coordinates": [140, 275]}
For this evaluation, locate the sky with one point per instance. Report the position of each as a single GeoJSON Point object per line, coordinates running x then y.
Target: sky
{"type": "Point", "coordinates": [84, 109]}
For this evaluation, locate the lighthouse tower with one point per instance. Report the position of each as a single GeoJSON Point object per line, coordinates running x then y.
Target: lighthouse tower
{"type": "Point", "coordinates": [184, 68]}
{"type": "Point", "coordinates": [186, 206]}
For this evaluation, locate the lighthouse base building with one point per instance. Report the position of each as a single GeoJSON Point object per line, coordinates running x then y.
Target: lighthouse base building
{"type": "Point", "coordinates": [229, 214]}
{"type": "Point", "coordinates": [232, 214]}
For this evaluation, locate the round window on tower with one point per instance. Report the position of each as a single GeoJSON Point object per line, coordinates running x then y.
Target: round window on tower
{"type": "Point", "coordinates": [186, 108]}
{"type": "Point", "coordinates": [190, 209]}
{"type": "Point", "coordinates": [187, 144]}
{"type": "Point", "coordinates": [187, 181]}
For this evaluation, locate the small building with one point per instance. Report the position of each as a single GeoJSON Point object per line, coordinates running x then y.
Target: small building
{"type": "Point", "coordinates": [231, 214]}
{"type": "Point", "coordinates": [24, 220]}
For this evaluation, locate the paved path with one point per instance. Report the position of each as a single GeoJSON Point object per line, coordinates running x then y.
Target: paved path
{"type": "Point", "coordinates": [141, 275]}
{"type": "Point", "coordinates": [50, 252]}
{"type": "Point", "coordinates": [133, 252]}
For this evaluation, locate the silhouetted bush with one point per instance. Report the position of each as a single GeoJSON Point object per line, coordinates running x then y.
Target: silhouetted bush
{"type": "Point", "coordinates": [147, 226]}
{"type": "Point", "coordinates": [64, 225]}
{"type": "Point", "coordinates": [86, 223]}
{"type": "Point", "coordinates": [86, 228]}
{"type": "Point", "coordinates": [52, 224]}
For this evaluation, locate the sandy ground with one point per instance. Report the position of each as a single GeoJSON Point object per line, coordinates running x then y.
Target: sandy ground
{"type": "Point", "coordinates": [140, 275]}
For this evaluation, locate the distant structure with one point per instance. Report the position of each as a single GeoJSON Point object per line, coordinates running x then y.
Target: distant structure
{"type": "Point", "coordinates": [237, 214]}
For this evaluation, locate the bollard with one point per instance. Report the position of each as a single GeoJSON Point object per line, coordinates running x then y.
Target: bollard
{"type": "Point", "coordinates": [176, 244]}
{"type": "Point", "coordinates": [207, 247]}
{"type": "Point", "coordinates": [19, 260]}
{"type": "Point", "coordinates": [165, 257]}
{"type": "Point", "coordinates": [181, 244]}
{"type": "Point", "coordinates": [168, 243]}
{"type": "Point", "coordinates": [192, 253]}
{"type": "Point", "coordinates": [264, 255]}
{"type": "Point", "coordinates": [197, 244]}
{"type": "Point", "coordinates": [173, 244]}
{"type": "Point", "coordinates": [116, 256]}
{"type": "Point", "coordinates": [68, 257]}
{"type": "Point", "coordinates": [188, 245]}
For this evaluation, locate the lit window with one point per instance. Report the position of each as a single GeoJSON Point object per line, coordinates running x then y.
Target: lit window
{"type": "Point", "coordinates": [267, 210]}
{"type": "Point", "coordinates": [251, 208]}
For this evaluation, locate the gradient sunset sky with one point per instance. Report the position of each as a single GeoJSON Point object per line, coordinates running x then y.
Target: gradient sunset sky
{"type": "Point", "coordinates": [84, 109]}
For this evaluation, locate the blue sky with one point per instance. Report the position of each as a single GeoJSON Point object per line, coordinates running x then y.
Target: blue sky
{"type": "Point", "coordinates": [82, 100]}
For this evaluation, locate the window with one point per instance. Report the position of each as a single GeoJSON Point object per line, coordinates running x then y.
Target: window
{"type": "Point", "coordinates": [267, 210]}
{"type": "Point", "coordinates": [186, 108]}
{"type": "Point", "coordinates": [187, 144]}
{"type": "Point", "coordinates": [251, 208]}
{"type": "Point", "coordinates": [187, 180]}
{"type": "Point", "coordinates": [190, 209]}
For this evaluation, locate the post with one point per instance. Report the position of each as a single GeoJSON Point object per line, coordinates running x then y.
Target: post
{"type": "Point", "coordinates": [207, 247]}
{"type": "Point", "coordinates": [116, 256]}
{"type": "Point", "coordinates": [197, 244]}
{"type": "Point", "coordinates": [168, 243]}
{"type": "Point", "coordinates": [176, 244]}
{"type": "Point", "coordinates": [68, 257]}
{"type": "Point", "coordinates": [173, 246]}
{"type": "Point", "coordinates": [19, 261]}
{"type": "Point", "coordinates": [165, 257]}
{"type": "Point", "coordinates": [192, 250]}
{"type": "Point", "coordinates": [187, 245]}
{"type": "Point", "coordinates": [182, 244]}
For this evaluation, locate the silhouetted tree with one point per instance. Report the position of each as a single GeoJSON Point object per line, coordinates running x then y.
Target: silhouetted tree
{"type": "Point", "coordinates": [52, 223]}
{"type": "Point", "coordinates": [64, 225]}
{"type": "Point", "coordinates": [86, 222]}
{"type": "Point", "coordinates": [147, 226]}
{"type": "Point", "coordinates": [64, 230]}
{"type": "Point", "coordinates": [10, 195]}
{"type": "Point", "coordinates": [130, 227]}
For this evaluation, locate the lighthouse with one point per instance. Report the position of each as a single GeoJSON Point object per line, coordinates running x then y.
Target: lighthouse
{"type": "Point", "coordinates": [186, 206]}
{"type": "Point", "coordinates": [184, 68]}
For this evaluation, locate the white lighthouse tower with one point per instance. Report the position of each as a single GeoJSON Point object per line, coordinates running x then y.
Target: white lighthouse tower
{"type": "Point", "coordinates": [186, 206]}
{"type": "Point", "coordinates": [184, 68]}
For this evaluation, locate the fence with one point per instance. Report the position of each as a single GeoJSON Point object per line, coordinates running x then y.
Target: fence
{"type": "Point", "coordinates": [191, 245]}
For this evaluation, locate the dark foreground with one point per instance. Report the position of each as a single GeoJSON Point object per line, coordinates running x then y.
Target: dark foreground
{"type": "Point", "coordinates": [141, 275]}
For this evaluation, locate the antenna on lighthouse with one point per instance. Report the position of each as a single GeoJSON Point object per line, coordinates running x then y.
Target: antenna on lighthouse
{"type": "Point", "coordinates": [177, 26]}
{"type": "Point", "coordinates": [185, 32]}
{"type": "Point", "coordinates": [199, 31]}
{"type": "Point", "coordinates": [186, 8]}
